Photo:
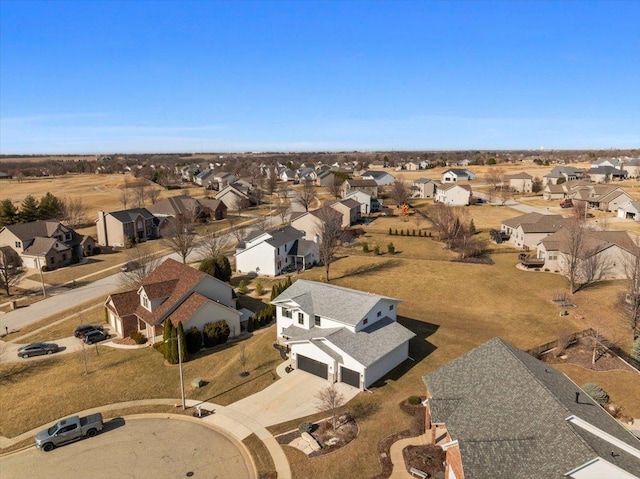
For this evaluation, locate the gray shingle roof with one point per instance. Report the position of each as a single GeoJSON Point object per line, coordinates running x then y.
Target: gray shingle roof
{"type": "Point", "coordinates": [366, 346]}
{"type": "Point", "coordinates": [509, 413]}
{"type": "Point", "coordinates": [283, 235]}
{"type": "Point", "coordinates": [345, 305]}
{"type": "Point", "coordinates": [128, 216]}
{"type": "Point", "coordinates": [536, 222]}
{"type": "Point", "coordinates": [28, 231]}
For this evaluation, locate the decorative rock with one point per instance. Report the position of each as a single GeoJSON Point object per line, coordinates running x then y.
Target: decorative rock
{"type": "Point", "coordinates": [196, 383]}
{"type": "Point", "coordinates": [311, 441]}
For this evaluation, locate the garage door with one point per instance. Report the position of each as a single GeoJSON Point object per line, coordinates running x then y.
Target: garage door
{"type": "Point", "coordinates": [350, 377]}
{"type": "Point", "coordinates": [312, 366]}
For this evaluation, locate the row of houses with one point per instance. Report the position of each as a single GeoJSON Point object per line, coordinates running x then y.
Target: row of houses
{"type": "Point", "coordinates": [601, 197]}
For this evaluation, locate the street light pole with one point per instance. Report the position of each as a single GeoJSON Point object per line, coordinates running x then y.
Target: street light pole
{"type": "Point", "coordinates": [180, 367]}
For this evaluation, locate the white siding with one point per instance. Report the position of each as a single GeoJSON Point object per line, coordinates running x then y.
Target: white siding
{"type": "Point", "coordinates": [385, 364]}
{"type": "Point", "coordinates": [260, 256]}
{"type": "Point", "coordinates": [310, 351]}
{"type": "Point", "coordinates": [381, 307]}
{"type": "Point", "coordinates": [217, 290]}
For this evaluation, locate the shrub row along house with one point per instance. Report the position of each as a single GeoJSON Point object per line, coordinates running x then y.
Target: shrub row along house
{"type": "Point", "coordinates": [341, 334]}
{"type": "Point", "coordinates": [173, 292]}
{"type": "Point", "coordinates": [46, 243]}
{"type": "Point", "coordinates": [508, 415]}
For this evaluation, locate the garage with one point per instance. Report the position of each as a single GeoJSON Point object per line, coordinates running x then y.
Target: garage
{"type": "Point", "coordinates": [312, 366]}
{"type": "Point", "coordinates": [350, 377]}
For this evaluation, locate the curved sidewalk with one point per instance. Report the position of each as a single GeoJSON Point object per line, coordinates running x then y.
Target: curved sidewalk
{"type": "Point", "coordinates": [233, 422]}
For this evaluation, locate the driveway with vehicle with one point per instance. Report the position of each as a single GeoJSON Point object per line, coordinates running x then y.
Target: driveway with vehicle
{"type": "Point", "coordinates": [138, 448]}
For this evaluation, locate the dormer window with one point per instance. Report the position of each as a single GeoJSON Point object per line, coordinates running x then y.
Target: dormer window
{"type": "Point", "coordinates": [365, 321]}
{"type": "Point", "coordinates": [145, 302]}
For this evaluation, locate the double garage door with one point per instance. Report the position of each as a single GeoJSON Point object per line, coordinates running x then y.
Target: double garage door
{"type": "Point", "coordinates": [320, 369]}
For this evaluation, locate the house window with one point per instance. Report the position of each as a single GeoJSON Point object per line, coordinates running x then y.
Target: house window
{"type": "Point", "coordinates": [317, 320]}
{"type": "Point", "coordinates": [64, 256]}
{"type": "Point", "coordinates": [379, 313]}
{"type": "Point", "coordinates": [391, 307]}
{"type": "Point", "coordinates": [365, 320]}
{"type": "Point", "coordinates": [18, 244]}
{"type": "Point", "coordinates": [287, 313]}
{"type": "Point", "coordinates": [300, 318]}
{"type": "Point", "coordinates": [145, 302]}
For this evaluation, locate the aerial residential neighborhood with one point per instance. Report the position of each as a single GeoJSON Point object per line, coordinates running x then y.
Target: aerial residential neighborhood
{"type": "Point", "coordinates": [329, 239]}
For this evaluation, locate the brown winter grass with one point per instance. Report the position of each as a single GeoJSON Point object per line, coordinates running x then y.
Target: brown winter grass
{"type": "Point", "coordinates": [117, 375]}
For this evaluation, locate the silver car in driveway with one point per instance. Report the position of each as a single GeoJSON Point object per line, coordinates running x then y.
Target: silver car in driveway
{"type": "Point", "coordinates": [37, 349]}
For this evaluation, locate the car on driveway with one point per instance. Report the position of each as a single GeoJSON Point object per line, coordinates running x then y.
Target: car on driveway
{"type": "Point", "coordinates": [95, 336]}
{"type": "Point", "coordinates": [81, 331]}
{"type": "Point", "coordinates": [37, 349]}
{"type": "Point", "coordinates": [480, 201]}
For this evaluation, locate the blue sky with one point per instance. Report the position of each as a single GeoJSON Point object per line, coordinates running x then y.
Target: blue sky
{"type": "Point", "coordinates": [144, 76]}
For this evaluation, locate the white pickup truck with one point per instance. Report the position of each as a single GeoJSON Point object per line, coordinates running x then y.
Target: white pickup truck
{"type": "Point", "coordinates": [68, 430]}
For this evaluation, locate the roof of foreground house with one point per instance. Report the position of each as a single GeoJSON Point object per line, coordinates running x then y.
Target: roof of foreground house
{"type": "Point", "coordinates": [33, 229]}
{"type": "Point", "coordinates": [516, 417]}
{"type": "Point", "coordinates": [345, 305]}
{"type": "Point", "coordinates": [593, 243]}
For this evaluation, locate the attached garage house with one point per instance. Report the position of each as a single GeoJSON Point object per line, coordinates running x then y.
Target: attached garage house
{"type": "Point", "coordinates": [341, 334]}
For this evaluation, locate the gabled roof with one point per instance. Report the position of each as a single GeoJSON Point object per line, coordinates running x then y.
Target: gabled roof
{"type": "Point", "coordinates": [283, 235]}
{"type": "Point", "coordinates": [170, 277]}
{"type": "Point", "coordinates": [44, 245]}
{"type": "Point", "coordinates": [361, 183]}
{"type": "Point", "coordinates": [366, 346]}
{"type": "Point", "coordinates": [347, 306]}
{"type": "Point", "coordinates": [33, 229]}
{"type": "Point", "coordinates": [421, 181]}
{"type": "Point", "coordinates": [510, 413]}
{"type": "Point", "coordinates": [519, 176]}
{"type": "Point", "coordinates": [130, 215]}
{"type": "Point", "coordinates": [536, 223]}
{"type": "Point", "coordinates": [593, 243]}
{"type": "Point", "coordinates": [450, 186]}
{"type": "Point", "coordinates": [175, 205]}
{"type": "Point", "coordinates": [123, 304]}
{"type": "Point", "coordinates": [350, 203]}
{"type": "Point", "coordinates": [561, 171]}
{"type": "Point", "coordinates": [607, 170]}
{"type": "Point", "coordinates": [457, 172]}
{"type": "Point", "coordinates": [376, 174]}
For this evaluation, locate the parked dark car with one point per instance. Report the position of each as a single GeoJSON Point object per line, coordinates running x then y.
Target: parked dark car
{"type": "Point", "coordinates": [95, 336]}
{"type": "Point", "coordinates": [81, 331]}
{"type": "Point", "coordinates": [37, 349]}
{"type": "Point", "coordinates": [130, 266]}
{"type": "Point", "coordinates": [566, 204]}
{"type": "Point", "coordinates": [480, 201]}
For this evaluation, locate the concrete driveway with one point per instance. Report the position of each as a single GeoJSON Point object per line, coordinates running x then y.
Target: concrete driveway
{"type": "Point", "coordinates": [291, 397]}
{"type": "Point", "coordinates": [138, 448]}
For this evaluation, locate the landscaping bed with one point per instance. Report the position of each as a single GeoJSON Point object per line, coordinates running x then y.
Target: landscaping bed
{"type": "Point", "coordinates": [329, 439]}
{"type": "Point", "coordinates": [580, 353]}
{"type": "Point", "coordinates": [427, 459]}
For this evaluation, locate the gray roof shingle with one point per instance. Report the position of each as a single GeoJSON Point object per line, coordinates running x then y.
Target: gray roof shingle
{"type": "Point", "coordinates": [509, 411]}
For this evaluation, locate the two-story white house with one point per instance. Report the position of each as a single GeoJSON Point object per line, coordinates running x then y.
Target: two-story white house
{"type": "Point", "coordinates": [341, 334]}
{"type": "Point", "coordinates": [453, 194]}
{"type": "Point", "coordinates": [269, 253]}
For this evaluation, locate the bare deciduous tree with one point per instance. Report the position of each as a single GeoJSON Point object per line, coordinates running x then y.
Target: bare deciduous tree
{"type": "Point", "coordinates": [10, 268]}
{"type": "Point", "coordinates": [400, 192]}
{"type": "Point", "coordinates": [242, 359]}
{"type": "Point", "coordinates": [330, 399]}
{"type": "Point", "coordinates": [213, 244]}
{"type": "Point", "coordinates": [307, 195]}
{"type": "Point", "coordinates": [152, 195]}
{"type": "Point", "coordinates": [262, 223]}
{"type": "Point", "coordinates": [494, 178]}
{"type": "Point", "coordinates": [140, 194]}
{"type": "Point", "coordinates": [271, 183]}
{"type": "Point", "coordinates": [124, 195]}
{"type": "Point", "coordinates": [335, 187]}
{"type": "Point", "coordinates": [449, 221]}
{"type": "Point", "coordinates": [181, 235]}
{"type": "Point", "coordinates": [141, 262]}
{"type": "Point", "coordinates": [329, 232]}
{"type": "Point", "coordinates": [75, 212]}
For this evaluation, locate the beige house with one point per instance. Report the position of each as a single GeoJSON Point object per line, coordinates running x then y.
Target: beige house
{"type": "Point", "coordinates": [46, 243]}
{"type": "Point", "coordinates": [520, 182]}
{"type": "Point", "coordinates": [453, 194]}
{"type": "Point", "coordinates": [601, 197]}
{"type": "Point", "coordinates": [325, 178]}
{"type": "Point", "coordinates": [526, 231]}
{"type": "Point", "coordinates": [424, 188]}
{"type": "Point", "coordinates": [632, 168]}
{"type": "Point", "coordinates": [311, 222]}
{"type": "Point", "coordinates": [234, 198]}
{"type": "Point", "coordinates": [349, 209]}
{"type": "Point", "coordinates": [368, 186]}
{"type": "Point", "coordinates": [604, 253]}
{"type": "Point", "coordinates": [121, 228]}
{"type": "Point", "coordinates": [174, 292]}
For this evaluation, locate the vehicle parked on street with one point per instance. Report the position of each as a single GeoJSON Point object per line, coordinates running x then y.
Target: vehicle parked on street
{"type": "Point", "coordinates": [566, 203]}
{"type": "Point", "coordinates": [81, 331]}
{"type": "Point", "coordinates": [37, 349]}
{"type": "Point", "coordinates": [95, 336]}
{"type": "Point", "coordinates": [68, 430]}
